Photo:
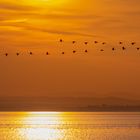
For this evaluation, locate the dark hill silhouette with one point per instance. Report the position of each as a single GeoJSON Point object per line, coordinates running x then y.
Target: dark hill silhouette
{"type": "Point", "coordinates": [67, 104]}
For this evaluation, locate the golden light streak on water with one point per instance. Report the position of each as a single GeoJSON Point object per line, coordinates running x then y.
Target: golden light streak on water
{"type": "Point", "coordinates": [69, 126]}
{"type": "Point", "coordinates": [39, 122]}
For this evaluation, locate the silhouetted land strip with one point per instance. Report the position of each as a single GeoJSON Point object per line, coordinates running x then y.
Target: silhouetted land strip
{"type": "Point", "coordinates": [73, 109]}
{"type": "Point", "coordinates": [112, 108]}
{"type": "Point", "coordinates": [110, 104]}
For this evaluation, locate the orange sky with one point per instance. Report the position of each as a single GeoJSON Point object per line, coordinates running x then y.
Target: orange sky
{"type": "Point", "coordinates": [37, 25]}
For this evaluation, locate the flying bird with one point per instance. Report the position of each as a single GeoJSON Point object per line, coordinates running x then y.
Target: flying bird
{"type": "Point", "coordinates": [61, 40]}
{"type": "Point", "coordinates": [47, 53]}
{"type": "Point", "coordinates": [138, 48]}
{"type": "Point", "coordinates": [73, 42]}
{"type": "Point", "coordinates": [101, 50]}
{"type": "Point", "coordinates": [63, 52]}
{"type": "Point", "coordinates": [95, 42]}
{"type": "Point", "coordinates": [86, 43]}
{"type": "Point", "coordinates": [17, 54]}
{"type": "Point", "coordinates": [74, 51]}
{"type": "Point", "coordinates": [86, 51]}
{"type": "Point", "coordinates": [120, 43]}
{"type": "Point", "coordinates": [113, 49]}
{"type": "Point", "coordinates": [133, 43]}
{"type": "Point", "coordinates": [31, 53]}
{"type": "Point", "coordinates": [123, 48]}
{"type": "Point", "coordinates": [6, 54]}
{"type": "Point", "coordinates": [104, 43]}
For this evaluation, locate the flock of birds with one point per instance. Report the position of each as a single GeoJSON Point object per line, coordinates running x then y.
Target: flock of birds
{"type": "Point", "coordinates": [86, 51]}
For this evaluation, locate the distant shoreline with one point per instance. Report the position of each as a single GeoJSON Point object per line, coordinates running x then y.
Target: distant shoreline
{"type": "Point", "coordinates": [72, 109]}
{"type": "Point", "coordinates": [69, 104]}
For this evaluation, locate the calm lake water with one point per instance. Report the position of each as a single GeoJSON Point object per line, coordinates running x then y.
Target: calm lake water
{"type": "Point", "coordinates": [69, 126]}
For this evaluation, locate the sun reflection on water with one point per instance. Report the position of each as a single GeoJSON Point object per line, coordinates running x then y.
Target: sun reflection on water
{"type": "Point", "coordinates": [42, 134]}
{"type": "Point", "coordinates": [69, 126]}
{"type": "Point", "coordinates": [42, 126]}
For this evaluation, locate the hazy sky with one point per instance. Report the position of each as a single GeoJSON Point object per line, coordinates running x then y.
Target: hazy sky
{"type": "Point", "coordinates": [37, 25]}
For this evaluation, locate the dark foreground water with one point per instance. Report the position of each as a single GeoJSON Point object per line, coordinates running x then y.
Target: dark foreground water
{"type": "Point", "coordinates": [69, 126]}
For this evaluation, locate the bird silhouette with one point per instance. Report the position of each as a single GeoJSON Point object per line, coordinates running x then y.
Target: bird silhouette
{"type": "Point", "coordinates": [113, 49]}
{"type": "Point", "coordinates": [63, 52]}
{"type": "Point", "coordinates": [104, 43]}
{"type": "Point", "coordinates": [17, 54]}
{"type": "Point", "coordinates": [133, 43]}
{"type": "Point", "coordinates": [95, 42]}
{"type": "Point", "coordinates": [86, 43]}
{"type": "Point", "coordinates": [6, 54]}
{"type": "Point", "coordinates": [138, 48]}
{"type": "Point", "coordinates": [86, 51]}
{"type": "Point", "coordinates": [101, 50]}
{"type": "Point", "coordinates": [74, 51]}
{"type": "Point", "coordinates": [47, 53]}
{"type": "Point", "coordinates": [73, 42]}
{"type": "Point", "coordinates": [120, 43]}
{"type": "Point", "coordinates": [61, 40]}
{"type": "Point", "coordinates": [31, 53]}
{"type": "Point", "coordinates": [123, 48]}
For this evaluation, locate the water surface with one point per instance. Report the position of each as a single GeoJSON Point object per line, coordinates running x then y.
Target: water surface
{"type": "Point", "coordinates": [69, 126]}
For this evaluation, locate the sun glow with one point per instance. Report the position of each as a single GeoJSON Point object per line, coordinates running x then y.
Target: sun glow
{"type": "Point", "coordinates": [42, 134]}
{"type": "Point", "coordinates": [47, 2]}
{"type": "Point", "coordinates": [44, 113]}
{"type": "Point", "coordinates": [42, 125]}
{"type": "Point", "coordinates": [43, 118]}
